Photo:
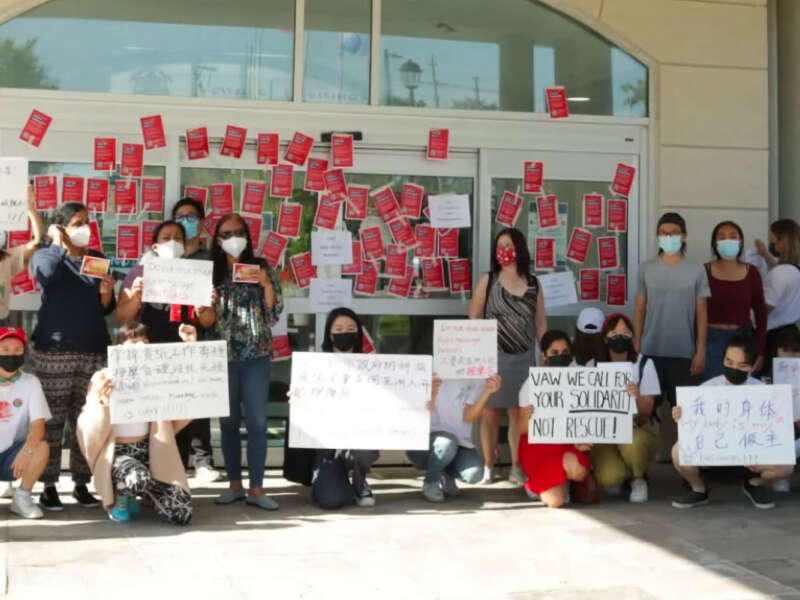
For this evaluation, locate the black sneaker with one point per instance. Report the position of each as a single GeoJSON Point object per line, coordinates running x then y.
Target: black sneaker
{"type": "Point", "coordinates": [85, 497]}
{"type": "Point", "coordinates": [760, 495]}
{"type": "Point", "coordinates": [691, 500]}
{"type": "Point", "coordinates": [49, 499]}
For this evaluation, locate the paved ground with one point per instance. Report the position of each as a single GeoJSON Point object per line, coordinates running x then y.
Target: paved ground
{"type": "Point", "coordinates": [489, 543]}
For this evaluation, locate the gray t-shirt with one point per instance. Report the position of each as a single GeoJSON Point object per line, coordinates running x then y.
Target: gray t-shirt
{"type": "Point", "coordinates": [671, 294]}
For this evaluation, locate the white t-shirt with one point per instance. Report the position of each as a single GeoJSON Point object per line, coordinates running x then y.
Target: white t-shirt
{"type": "Point", "coordinates": [782, 290]}
{"type": "Point", "coordinates": [448, 410]}
{"type": "Point", "coordinates": [649, 385]}
{"type": "Point", "coordinates": [21, 403]}
{"type": "Point", "coordinates": [720, 380]}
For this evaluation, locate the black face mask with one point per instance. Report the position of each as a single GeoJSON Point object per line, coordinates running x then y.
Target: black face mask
{"type": "Point", "coordinates": [620, 343]}
{"type": "Point", "coordinates": [12, 362]}
{"type": "Point", "coordinates": [559, 360]}
{"type": "Point", "coordinates": [773, 251]}
{"type": "Point", "coordinates": [344, 341]}
{"type": "Point", "coordinates": [735, 376]}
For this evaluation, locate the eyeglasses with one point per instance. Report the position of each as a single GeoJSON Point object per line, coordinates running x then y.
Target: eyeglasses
{"type": "Point", "coordinates": [226, 235]}
{"type": "Point", "coordinates": [191, 218]}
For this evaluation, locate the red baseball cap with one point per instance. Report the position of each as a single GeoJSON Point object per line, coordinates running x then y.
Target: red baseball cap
{"type": "Point", "coordinates": [15, 332]}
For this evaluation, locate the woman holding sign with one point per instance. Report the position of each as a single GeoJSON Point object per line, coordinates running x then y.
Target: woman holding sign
{"type": "Point", "coordinates": [249, 302]}
{"type": "Point", "coordinates": [510, 294]}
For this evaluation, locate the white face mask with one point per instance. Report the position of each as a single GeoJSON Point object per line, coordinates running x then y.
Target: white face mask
{"type": "Point", "coordinates": [170, 249]}
{"type": "Point", "coordinates": [80, 236]}
{"type": "Point", "coordinates": [234, 246]}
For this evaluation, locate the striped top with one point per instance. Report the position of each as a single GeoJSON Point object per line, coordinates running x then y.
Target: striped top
{"type": "Point", "coordinates": [516, 332]}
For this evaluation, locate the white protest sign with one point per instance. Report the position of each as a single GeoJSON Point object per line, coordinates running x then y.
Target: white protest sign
{"type": "Point", "coordinates": [449, 211]}
{"type": "Point", "coordinates": [157, 382]}
{"type": "Point", "coordinates": [360, 401]}
{"type": "Point", "coordinates": [558, 289]}
{"type": "Point", "coordinates": [736, 425]}
{"type": "Point", "coordinates": [177, 281]}
{"type": "Point", "coordinates": [282, 325]}
{"type": "Point", "coordinates": [13, 194]}
{"type": "Point", "coordinates": [580, 405]}
{"type": "Point", "coordinates": [327, 294]}
{"type": "Point", "coordinates": [331, 248]}
{"type": "Point", "coordinates": [787, 370]}
{"type": "Point", "coordinates": [465, 348]}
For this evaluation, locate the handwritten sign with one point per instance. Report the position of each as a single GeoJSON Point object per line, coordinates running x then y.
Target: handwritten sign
{"type": "Point", "coordinates": [449, 211]}
{"type": "Point", "coordinates": [327, 294]}
{"type": "Point", "coordinates": [156, 382]}
{"type": "Point", "coordinates": [465, 348]}
{"type": "Point", "coordinates": [13, 194]}
{"type": "Point", "coordinates": [558, 289]}
{"type": "Point", "coordinates": [177, 281]}
{"type": "Point", "coordinates": [580, 405]}
{"type": "Point", "coordinates": [333, 247]}
{"type": "Point", "coordinates": [732, 425]}
{"type": "Point", "coordinates": [360, 401]}
{"type": "Point", "coordinates": [787, 370]}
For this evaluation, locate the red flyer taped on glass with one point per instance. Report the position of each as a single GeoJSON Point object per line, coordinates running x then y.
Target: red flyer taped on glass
{"type": "Point", "coordinates": [509, 209]}
{"type": "Point", "coordinates": [234, 141]}
{"type": "Point", "coordinates": [289, 218]}
{"type": "Point", "coordinates": [411, 200]}
{"type": "Point", "coordinates": [433, 274]}
{"type": "Point", "coordinates": [303, 270]}
{"type": "Point", "coordinates": [371, 242]}
{"type": "Point", "coordinates": [328, 209]}
{"type": "Point", "coordinates": [23, 283]}
{"type": "Point", "coordinates": [254, 225]}
{"type": "Point", "coordinates": [273, 248]}
{"type": "Point", "coordinates": [282, 182]}
{"type": "Point", "coordinates": [617, 215]}
{"type": "Point", "coordinates": [438, 144]}
{"type": "Point", "coordinates": [35, 128]}
{"type": "Point", "coordinates": [367, 283]}
{"type": "Point", "coordinates": [94, 237]}
{"type": "Point", "coordinates": [281, 348]}
{"type": "Point", "coordinates": [533, 177]}
{"type": "Point", "coordinates": [460, 274]}
{"type": "Point", "coordinates": [46, 191]}
{"type": "Point", "coordinates": [125, 192]}
{"type": "Point", "coordinates": [368, 347]}
{"type": "Point", "coordinates": [97, 195]}
{"type": "Point", "coordinates": [299, 149]}
{"type": "Point", "coordinates": [105, 154]}
{"type": "Point", "coordinates": [623, 180]}
{"type": "Point", "coordinates": [426, 241]}
{"type": "Point", "coordinates": [267, 148]}
{"type": "Point", "coordinates": [341, 151]}
{"type": "Point", "coordinates": [547, 210]}
{"type": "Point", "coordinates": [71, 189]}
{"type": "Point", "coordinates": [545, 254]}
{"type": "Point", "coordinates": [608, 252]}
{"type": "Point", "coordinates": [357, 266]}
{"type": "Point", "coordinates": [132, 161]}
{"type": "Point", "coordinates": [148, 229]}
{"type": "Point", "coordinates": [197, 143]}
{"type": "Point", "coordinates": [196, 193]}
{"type": "Point", "coordinates": [386, 203]}
{"type": "Point", "coordinates": [396, 261]}
{"type": "Point", "coordinates": [356, 203]}
{"type": "Point", "coordinates": [402, 232]}
{"type": "Point", "coordinates": [210, 223]}
{"type": "Point", "coordinates": [153, 132]}
{"type": "Point", "coordinates": [400, 287]}
{"type": "Point", "coordinates": [447, 242]}
{"type": "Point", "coordinates": [335, 182]}
{"type": "Point", "coordinates": [315, 182]}
{"type": "Point", "coordinates": [221, 199]}
{"type": "Point", "coordinates": [19, 238]}
{"type": "Point", "coordinates": [556, 98]}
{"type": "Point", "coordinates": [153, 194]}
{"type": "Point", "coordinates": [589, 284]}
{"type": "Point", "coordinates": [578, 246]}
{"type": "Point", "coordinates": [616, 289]}
{"type": "Point", "coordinates": [593, 210]}
{"type": "Point", "coordinates": [253, 195]}
{"type": "Point", "coordinates": [127, 242]}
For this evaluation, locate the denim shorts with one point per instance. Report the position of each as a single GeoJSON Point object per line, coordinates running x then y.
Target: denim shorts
{"type": "Point", "coordinates": [7, 459]}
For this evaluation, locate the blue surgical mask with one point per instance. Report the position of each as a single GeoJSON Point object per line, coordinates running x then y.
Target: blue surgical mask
{"type": "Point", "coordinates": [670, 244]}
{"type": "Point", "coordinates": [189, 225]}
{"type": "Point", "coordinates": [728, 248]}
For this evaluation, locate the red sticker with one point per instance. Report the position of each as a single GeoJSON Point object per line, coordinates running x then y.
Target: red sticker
{"type": "Point", "coordinates": [509, 209]}
{"type": "Point", "coordinates": [593, 210]}
{"type": "Point", "coordinates": [148, 230]}
{"type": "Point", "coordinates": [127, 242]}
{"type": "Point", "coordinates": [545, 254]}
{"type": "Point", "coordinates": [35, 128]}
{"type": "Point", "coordinates": [303, 270]}
{"type": "Point", "coordinates": [426, 241]}
{"type": "Point", "coordinates": [267, 148]}
{"type": "Point", "coordinates": [315, 182]}
{"type": "Point", "coordinates": [400, 287]}
{"type": "Point", "coordinates": [356, 207]}
{"type": "Point", "coordinates": [105, 154]}
{"type": "Point", "coordinates": [357, 266]}
{"type": "Point", "coordinates": [623, 180]}
{"type": "Point", "coordinates": [617, 215]}
{"type": "Point", "coordinates": [396, 261]}
{"type": "Point", "coordinates": [578, 246]}
{"type": "Point", "coordinates": [196, 193]}
{"type": "Point", "coordinates": [153, 194]}
{"type": "Point", "coordinates": [547, 209]}
{"type": "Point", "coordinates": [411, 200]}
{"type": "Point", "coordinates": [281, 348]}
{"type": "Point", "coordinates": [46, 191]}
{"type": "Point", "coordinates": [402, 232]}
{"type": "Point", "coordinates": [71, 189]}
{"type": "Point", "coordinates": [372, 242]}
{"type": "Point", "coordinates": [438, 144]}
{"type": "Point", "coordinates": [341, 151]}
{"type": "Point", "coordinates": [282, 182]}
{"type": "Point", "coordinates": [234, 142]}
{"type": "Point", "coordinates": [367, 283]}
{"type": "Point", "coordinates": [447, 242]}
{"type": "Point", "coordinates": [132, 160]}
{"type": "Point", "coordinates": [460, 274]}
{"type": "Point", "coordinates": [335, 182]}
{"type": "Point", "coordinates": [289, 216]}
{"type": "Point", "coordinates": [197, 143]}
{"type": "Point", "coordinates": [97, 195]}
{"type": "Point", "coordinates": [153, 132]}
{"type": "Point", "coordinates": [608, 253]}
{"type": "Point", "coordinates": [433, 274]}
{"type": "Point", "coordinates": [386, 203]}
{"type": "Point", "coordinates": [125, 192]}
{"type": "Point", "coordinates": [273, 248]}
{"type": "Point", "coordinates": [254, 225]}
{"type": "Point", "coordinates": [299, 149]}
{"type": "Point", "coordinates": [533, 177]}
{"type": "Point", "coordinates": [328, 209]}
{"type": "Point", "coordinates": [590, 285]}
{"type": "Point", "coordinates": [221, 199]}
{"type": "Point", "coordinates": [253, 194]}
{"type": "Point", "coordinates": [556, 97]}
{"type": "Point", "coordinates": [616, 289]}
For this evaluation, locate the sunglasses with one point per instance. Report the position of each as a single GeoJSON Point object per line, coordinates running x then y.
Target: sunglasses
{"type": "Point", "coordinates": [226, 235]}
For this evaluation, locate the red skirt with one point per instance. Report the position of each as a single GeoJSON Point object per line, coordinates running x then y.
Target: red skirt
{"type": "Point", "coordinates": [544, 463]}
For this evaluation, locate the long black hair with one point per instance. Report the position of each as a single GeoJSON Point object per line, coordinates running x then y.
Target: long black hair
{"type": "Point", "coordinates": [167, 224]}
{"type": "Point", "coordinates": [521, 248]}
{"type": "Point", "coordinates": [64, 213]}
{"type": "Point", "coordinates": [220, 258]}
{"type": "Point", "coordinates": [714, 238]}
{"type": "Point", "coordinates": [327, 340]}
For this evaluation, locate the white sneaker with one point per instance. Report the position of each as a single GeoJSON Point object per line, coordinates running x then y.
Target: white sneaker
{"type": "Point", "coordinates": [449, 486]}
{"type": "Point", "coordinates": [782, 486]}
{"type": "Point", "coordinates": [203, 471]}
{"type": "Point", "coordinates": [364, 497]}
{"type": "Point", "coordinates": [488, 476]}
{"type": "Point", "coordinates": [517, 476]}
{"type": "Point", "coordinates": [432, 492]}
{"type": "Point", "coordinates": [638, 491]}
{"type": "Point", "coordinates": [8, 493]}
{"type": "Point", "coordinates": [22, 504]}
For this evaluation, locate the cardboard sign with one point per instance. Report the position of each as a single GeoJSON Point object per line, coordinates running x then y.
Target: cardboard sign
{"type": "Point", "coordinates": [299, 149]}
{"type": "Point", "coordinates": [341, 151]}
{"type": "Point", "coordinates": [153, 194]}
{"type": "Point", "coordinates": [327, 294]}
{"type": "Point", "coordinates": [93, 266]}
{"type": "Point", "coordinates": [547, 209]}
{"type": "Point", "coordinates": [153, 132]}
{"type": "Point", "coordinates": [386, 203]}
{"type": "Point", "coordinates": [433, 274]}
{"type": "Point", "coordinates": [589, 281]}
{"type": "Point", "coordinates": [623, 180]}
{"type": "Point", "coordinates": [617, 215]}
{"type": "Point", "coordinates": [253, 194]}
{"type": "Point", "coordinates": [328, 209]}
{"type": "Point", "coordinates": [356, 264]}
{"type": "Point", "coordinates": [400, 287]}
{"type": "Point", "coordinates": [558, 289]}
{"type": "Point", "coordinates": [177, 281]}
{"type": "Point", "coordinates": [125, 196]}
{"type": "Point", "coordinates": [245, 273]}
{"type": "Point", "coordinates": [46, 191]}
{"type": "Point", "coordinates": [608, 253]}
{"type": "Point", "coordinates": [509, 209]}
{"type": "Point", "coordinates": [282, 181]}
{"type": "Point", "coordinates": [787, 370]}
{"type": "Point", "coordinates": [545, 254]}
{"type": "Point", "coordinates": [254, 226]}
{"type": "Point", "coordinates": [533, 177]}
{"type": "Point", "coordinates": [289, 218]}
{"type": "Point", "coordinates": [13, 194]}
{"type": "Point", "coordinates": [356, 203]}
{"type": "Point", "coordinates": [128, 242]}
{"type": "Point", "coordinates": [132, 160]}
{"type": "Point", "coordinates": [155, 382]}
{"type": "Point", "coordinates": [371, 242]}
{"type": "Point", "coordinates": [438, 144]}
{"type": "Point", "coordinates": [221, 199]}
{"type": "Point", "coordinates": [396, 261]}
{"type": "Point", "coordinates": [97, 195]}
{"type": "Point", "coordinates": [35, 128]}
{"type": "Point", "coordinates": [105, 154]}
{"type": "Point", "coordinates": [556, 98]}
{"type": "Point", "coordinates": [196, 193]}
{"type": "Point", "coordinates": [449, 210]}
{"type": "Point", "coordinates": [426, 241]}
{"type": "Point", "coordinates": [267, 145]}
{"type": "Point", "coordinates": [580, 405]}
{"type": "Point", "coordinates": [465, 348]}
{"type": "Point", "coordinates": [234, 141]}
{"type": "Point", "coordinates": [616, 289]}
{"type": "Point", "coordinates": [578, 246]}
{"type": "Point", "coordinates": [460, 275]}
{"type": "Point", "coordinates": [367, 282]}
{"type": "Point", "coordinates": [273, 248]}
{"type": "Point", "coordinates": [314, 181]}
{"type": "Point", "coordinates": [335, 182]}
{"type": "Point", "coordinates": [411, 200]}
{"type": "Point", "coordinates": [71, 188]}
{"type": "Point", "coordinates": [736, 425]}
{"type": "Point", "coordinates": [148, 231]}
{"type": "Point", "coordinates": [447, 243]}
{"type": "Point", "coordinates": [303, 269]}
{"type": "Point", "coordinates": [331, 247]}
{"type": "Point", "coordinates": [593, 210]}
{"type": "Point", "coordinates": [402, 232]}
{"type": "Point", "coordinates": [360, 401]}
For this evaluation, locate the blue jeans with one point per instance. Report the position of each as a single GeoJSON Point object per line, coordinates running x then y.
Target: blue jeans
{"type": "Point", "coordinates": [248, 386]}
{"type": "Point", "coordinates": [7, 460]}
{"type": "Point", "coordinates": [445, 455]}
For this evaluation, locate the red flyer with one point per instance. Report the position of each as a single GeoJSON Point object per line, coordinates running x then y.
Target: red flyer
{"type": "Point", "coordinates": [273, 248]}
{"type": "Point", "coordinates": [396, 261]}
{"type": "Point", "coordinates": [341, 151]}
{"type": "Point", "coordinates": [589, 285]}
{"type": "Point", "coordinates": [386, 203]}
{"type": "Point", "coordinates": [289, 218]}
{"type": "Point", "coordinates": [510, 207]}
{"type": "Point", "coordinates": [19, 238]}
{"type": "Point", "coordinates": [533, 177]}
{"type": "Point", "coordinates": [125, 192]}
{"type": "Point", "coordinates": [234, 141]}
{"type": "Point", "coordinates": [132, 160]}
{"type": "Point", "coordinates": [556, 98]}
{"type": "Point", "coordinates": [371, 242]}
{"type": "Point", "coordinates": [367, 283]}
{"type": "Point", "coordinates": [356, 206]}
{"type": "Point", "coordinates": [617, 215]}
{"type": "Point", "coordinates": [623, 180]}
{"type": "Point", "coordinates": [545, 254]}
{"type": "Point", "coordinates": [281, 348]}
{"type": "Point", "coordinates": [303, 270]}
{"type": "Point", "coordinates": [35, 128]}
{"type": "Point", "coordinates": [253, 194]}
{"type": "Point", "coordinates": [46, 190]}
{"type": "Point", "coordinates": [547, 209]}
{"type": "Point", "coordinates": [105, 154]}
{"type": "Point", "coordinates": [299, 149]}
{"type": "Point", "coordinates": [593, 210]}
{"type": "Point", "coordinates": [71, 189]}
{"type": "Point", "coordinates": [578, 246]}
{"type": "Point", "coordinates": [315, 182]}
{"type": "Point", "coordinates": [197, 143]}
{"type": "Point", "coordinates": [210, 223]}
{"type": "Point", "coordinates": [426, 212]}
{"type": "Point", "coordinates": [22, 283]}
{"type": "Point", "coordinates": [460, 274]}
{"type": "Point", "coordinates": [267, 148]}
{"type": "Point", "coordinates": [127, 242]}
{"type": "Point", "coordinates": [148, 229]}
{"type": "Point", "coordinates": [254, 225]}
{"type": "Point", "coordinates": [438, 144]}
{"type": "Point", "coordinates": [616, 289]}
{"type": "Point", "coordinates": [402, 232]}
{"type": "Point", "coordinates": [94, 237]}
{"type": "Point", "coordinates": [411, 200]}
{"type": "Point", "coordinates": [153, 132]}
{"type": "Point", "coordinates": [368, 346]}
{"type": "Point", "coordinates": [447, 242]}
{"type": "Point", "coordinates": [357, 266]}
{"type": "Point", "coordinates": [221, 199]}
{"type": "Point", "coordinates": [196, 193]}
{"type": "Point", "coordinates": [97, 195]}
{"type": "Point", "coordinates": [400, 287]}
{"type": "Point", "coordinates": [426, 241]}
{"type": "Point", "coordinates": [433, 274]}
{"type": "Point", "coordinates": [282, 182]}
{"type": "Point", "coordinates": [335, 182]}
{"type": "Point", "coordinates": [153, 194]}
{"type": "Point", "coordinates": [608, 253]}
{"type": "Point", "coordinates": [328, 210]}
